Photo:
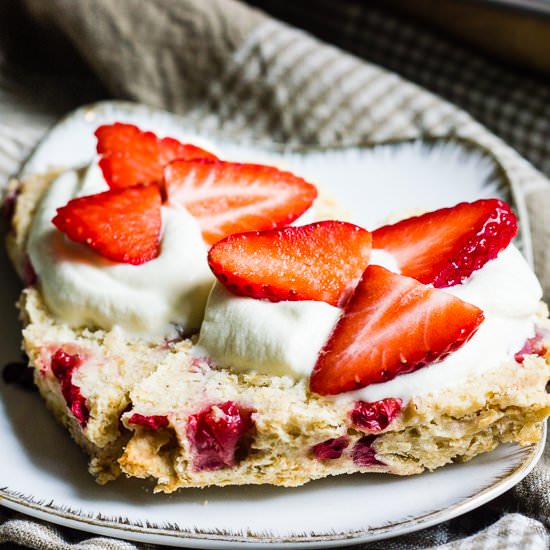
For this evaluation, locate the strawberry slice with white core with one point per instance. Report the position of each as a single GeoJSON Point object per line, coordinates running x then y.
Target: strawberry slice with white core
{"type": "Point", "coordinates": [122, 225]}
{"type": "Point", "coordinates": [130, 156]}
{"type": "Point", "coordinates": [392, 325]}
{"type": "Point", "coordinates": [321, 261]}
{"type": "Point", "coordinates": [229, 198]}
{"type": "Point", "coordinates": [446, 246]}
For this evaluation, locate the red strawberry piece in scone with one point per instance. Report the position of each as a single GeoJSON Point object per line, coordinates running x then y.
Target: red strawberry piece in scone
{"type": "Point", "coordinates": [446, 246]}
{"type": "Point", "coordinates": [331, 449]}
{"type": "Point", "coordinates": [218, 435]}
{"type": "Point", "coordinates": [130, 156]}
{"type": "Point", "coordinates": [363, 453]}
{"type": "Point", "coordinates": [536, 345]}
{"type": "Point", "coordinates": [122, 225]}
{"type": "Point", "coordinates": [392, 325]}
{"type": "Point", "coordinates": [227, 197]}
{"type": "Point", "coordinates": [321, 261]}
{"type": "Point", "coordinates": [375, 416]}
{"type": "Point", "coordinates": [153, 422]}
{"type": "Point", "coordinates": [63, 366]}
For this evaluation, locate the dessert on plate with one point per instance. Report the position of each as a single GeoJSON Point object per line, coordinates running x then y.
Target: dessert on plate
{"type": "Point", "coordinates": [189, 322]}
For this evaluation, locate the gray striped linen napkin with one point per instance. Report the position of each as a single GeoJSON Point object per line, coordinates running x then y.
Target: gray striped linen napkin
{"type": "Point", "coordinates": [230, 69]}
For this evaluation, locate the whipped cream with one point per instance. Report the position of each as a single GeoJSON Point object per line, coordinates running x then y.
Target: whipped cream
{"type": "Point", "coordinates": [284, 338]}
{"type": "Point", "coordinates": [159, 298]}
{"type": "Point", "coordinates": [506, 286]}
{"type": "Point", "coordinates": [281, 339]}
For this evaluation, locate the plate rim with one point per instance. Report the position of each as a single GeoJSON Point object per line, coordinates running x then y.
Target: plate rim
{"type": "Point", "coordinates": [272, 146]}
{"type": "Point", "coordinates": [154, 533]}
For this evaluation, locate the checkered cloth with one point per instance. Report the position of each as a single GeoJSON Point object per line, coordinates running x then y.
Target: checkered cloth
{"type": "Point", "coordinates": [232, 70]}
{"type": "Point", "coordinates": [513, 105]}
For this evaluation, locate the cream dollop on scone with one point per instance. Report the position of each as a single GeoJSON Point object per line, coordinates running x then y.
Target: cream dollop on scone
{"type": "Point", "coordinates": [83, 288]}
{"type": "Point", "coordinates": [115, 256]}
{"type": "Point", "coordinates": [497, 298]}
{"type": "Point", "coordinates": [285, 338]}
{"type": "Point", "coordinates": [275, 338]}
{"type": "Point", "coordinates": [285, 289]}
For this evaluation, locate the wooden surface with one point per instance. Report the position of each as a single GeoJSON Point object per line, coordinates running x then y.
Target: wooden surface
{"type": "Point", "coordinates": [517, 36]}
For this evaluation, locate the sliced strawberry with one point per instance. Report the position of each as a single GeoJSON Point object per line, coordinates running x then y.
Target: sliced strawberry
{"type": "Point", "coordinates": [130, 156]}
{"type": "Point", "coordinates": [392, 325]}
{"type": "Point", "coordinates": [446, 246]}
{"type": "Point", "coordinates": [121, 224]}
{"type": "Point", "coordinates": [321, 261]}
{"type": "Point", "coordinates": [229, 198]}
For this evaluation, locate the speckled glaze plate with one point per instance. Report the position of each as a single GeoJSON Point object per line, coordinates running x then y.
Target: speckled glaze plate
{"type": "Point", "coordinates": [43, 474]}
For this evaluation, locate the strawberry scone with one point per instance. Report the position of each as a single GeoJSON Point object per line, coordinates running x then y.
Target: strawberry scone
{"type": "Point", "coordinates": [184, 331]}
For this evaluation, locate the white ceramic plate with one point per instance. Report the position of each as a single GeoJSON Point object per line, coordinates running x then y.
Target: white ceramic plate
{"type": "Point", "coordinates": [43, 474]}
